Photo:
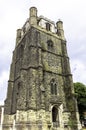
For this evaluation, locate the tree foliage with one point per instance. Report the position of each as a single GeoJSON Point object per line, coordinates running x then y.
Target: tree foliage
{"type": "Point", "coordinates": [80, 90]}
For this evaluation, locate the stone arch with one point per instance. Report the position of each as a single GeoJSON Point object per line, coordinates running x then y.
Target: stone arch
{"type": "Point", "coordinates": [55, 114]}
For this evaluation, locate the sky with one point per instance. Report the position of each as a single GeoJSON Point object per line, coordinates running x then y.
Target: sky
{"type": "Point", "coordinates": [14, 13]}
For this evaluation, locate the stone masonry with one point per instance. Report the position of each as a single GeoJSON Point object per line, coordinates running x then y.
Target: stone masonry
{"type": "Point", "coordinates": [40, 92]}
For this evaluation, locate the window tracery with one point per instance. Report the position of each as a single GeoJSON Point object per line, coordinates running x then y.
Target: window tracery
{"type": "Point", "coordinates": [53, 87]}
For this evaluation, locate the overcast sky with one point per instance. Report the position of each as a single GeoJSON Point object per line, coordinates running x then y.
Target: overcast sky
{"type": "Point", "coordinates": [13, 14]}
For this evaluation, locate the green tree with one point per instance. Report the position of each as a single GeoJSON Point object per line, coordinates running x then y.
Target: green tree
{"type": "Point", "coordinates": [80, 91]}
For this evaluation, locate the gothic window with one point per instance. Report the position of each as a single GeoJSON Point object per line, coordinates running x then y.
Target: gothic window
{"type": "Point", "coordinates": [50, 44]}
{"type": "Point", "coordinates": [53, 87]}
{"type": "Point", "coordinates": [48, 26]}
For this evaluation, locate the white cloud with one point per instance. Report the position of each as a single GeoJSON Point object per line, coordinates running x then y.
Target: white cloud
{"type": "Point", "coordinates": [78, 70]}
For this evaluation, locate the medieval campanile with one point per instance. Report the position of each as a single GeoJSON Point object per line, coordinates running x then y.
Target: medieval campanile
{"type": "Point", "coordinates": [40, 92]}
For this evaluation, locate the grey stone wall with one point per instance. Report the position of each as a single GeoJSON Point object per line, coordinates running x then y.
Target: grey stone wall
{"type": "Point", "coordinates": [40, 81]}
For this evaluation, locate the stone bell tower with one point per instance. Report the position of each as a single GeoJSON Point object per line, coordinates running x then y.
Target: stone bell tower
{"type": "Point", "coordinates": [40, 92]}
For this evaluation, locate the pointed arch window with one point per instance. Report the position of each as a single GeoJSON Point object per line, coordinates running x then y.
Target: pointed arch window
{"type": "Point", "coordinates": [53, 87]}
{"type": "Point", "coordinates": [50, 44]}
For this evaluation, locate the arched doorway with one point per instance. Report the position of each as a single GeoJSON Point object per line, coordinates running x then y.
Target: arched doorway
{"type": "Point", "coordinates": [55, 116]}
